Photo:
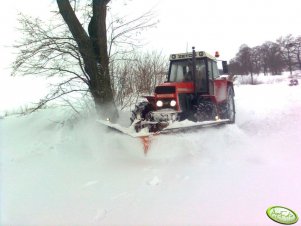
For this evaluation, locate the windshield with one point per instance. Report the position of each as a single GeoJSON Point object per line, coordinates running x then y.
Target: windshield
{"type": "Point", "coordinates": [181, 71]}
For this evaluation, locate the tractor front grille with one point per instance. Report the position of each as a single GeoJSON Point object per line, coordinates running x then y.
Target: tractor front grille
{"type": "Point", "coordinates": [165, 89]}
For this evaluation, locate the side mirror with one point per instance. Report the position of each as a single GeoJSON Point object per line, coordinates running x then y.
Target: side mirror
{"type": "Point", "coordinates": [225, 67]}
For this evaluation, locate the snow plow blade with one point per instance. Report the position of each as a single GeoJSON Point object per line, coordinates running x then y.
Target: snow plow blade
{"type": "Point", "coordinates": [187, 125]}
{"type": "Point", "coordinates": [175, 127]}
{"type": "Point", "coordinates": [125, 130]}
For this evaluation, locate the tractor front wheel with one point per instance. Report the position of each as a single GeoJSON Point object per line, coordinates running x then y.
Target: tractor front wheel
{"type": "Point", "coordinates": [141, 111]}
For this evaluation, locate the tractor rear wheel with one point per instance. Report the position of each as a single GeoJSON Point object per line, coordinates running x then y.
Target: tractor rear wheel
{"type": "Point", "coordinates": [230, 106]}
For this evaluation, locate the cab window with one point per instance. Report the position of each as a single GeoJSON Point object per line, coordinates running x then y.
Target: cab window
{"type": "Point", "coordinates": [212, 69]}
{"type": "Point", "coordinates": [215, 70]}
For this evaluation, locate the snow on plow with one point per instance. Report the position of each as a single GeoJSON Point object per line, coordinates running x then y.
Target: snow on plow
{"type": "Point", "coordinates": [176, 127]}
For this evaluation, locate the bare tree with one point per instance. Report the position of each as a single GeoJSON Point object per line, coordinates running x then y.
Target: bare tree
{"type": "Point", "coordinates": [287, 45]}
{"type": "Point", "coordinates": [93, 50]}
{"type": "Point", "coordinates": [297, 51]}
{"type": "Point", "coordinates": [235, 67]}
{"type": "Point", "coordinates": [267, 58]}
{"type": "Point", "coordinates": [138, 75]}
{"type": "Point", "coordinates": [264, 58]}
{"type": "Point", "coordinates": [243, 61]}
{"type": "Point", "coordinates": [79, 57]}
{"type": "Point", "coordinates": [123, 33]}
{"type": "Point", "coordinates": [256, 59]}
{"type": "Point", "coordinates": [274, 56]}
{"type": "Point", "coordinates": [49, 50]}
{"type": "Point", "coordinates": [151, 69]}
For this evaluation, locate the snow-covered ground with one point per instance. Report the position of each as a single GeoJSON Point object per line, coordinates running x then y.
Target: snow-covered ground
{"type": "Point", "coordinates": [55, 172]}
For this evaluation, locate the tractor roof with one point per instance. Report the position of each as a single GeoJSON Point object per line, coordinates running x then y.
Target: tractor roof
{"type": "Point", "coordinates": [199, 54]}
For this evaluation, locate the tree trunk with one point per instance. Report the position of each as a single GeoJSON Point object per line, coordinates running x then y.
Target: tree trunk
{"type": "Point", "coordinates": [299, 60]}
{"type": "Point", "coordinates": [93, 50]}
{"type": "Point", "coordinates": [289, 61]}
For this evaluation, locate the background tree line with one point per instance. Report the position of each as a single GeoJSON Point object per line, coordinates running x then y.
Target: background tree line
{"type": "Point", "coordinates": [269, 58]}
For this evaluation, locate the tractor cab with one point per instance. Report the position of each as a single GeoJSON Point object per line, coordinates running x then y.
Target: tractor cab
{"type": "Point", "coordinates": [200, 71]}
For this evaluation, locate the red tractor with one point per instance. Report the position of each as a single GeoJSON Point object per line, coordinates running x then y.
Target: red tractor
{"type": "Point", "coordinates": [195, 90]}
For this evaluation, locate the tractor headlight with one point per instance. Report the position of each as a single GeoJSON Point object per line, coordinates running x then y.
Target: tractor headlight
{"type": "Point", "coordinates": [159, 103]}
{"type": "Point", "coordinates": [173, 103]}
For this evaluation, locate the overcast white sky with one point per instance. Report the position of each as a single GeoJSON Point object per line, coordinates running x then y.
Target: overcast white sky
{"type": "Point", "coordinates": [209, 25]}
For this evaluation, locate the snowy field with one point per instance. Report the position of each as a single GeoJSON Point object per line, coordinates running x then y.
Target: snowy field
{"type": "Point", "coordinates": [55, 173]}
